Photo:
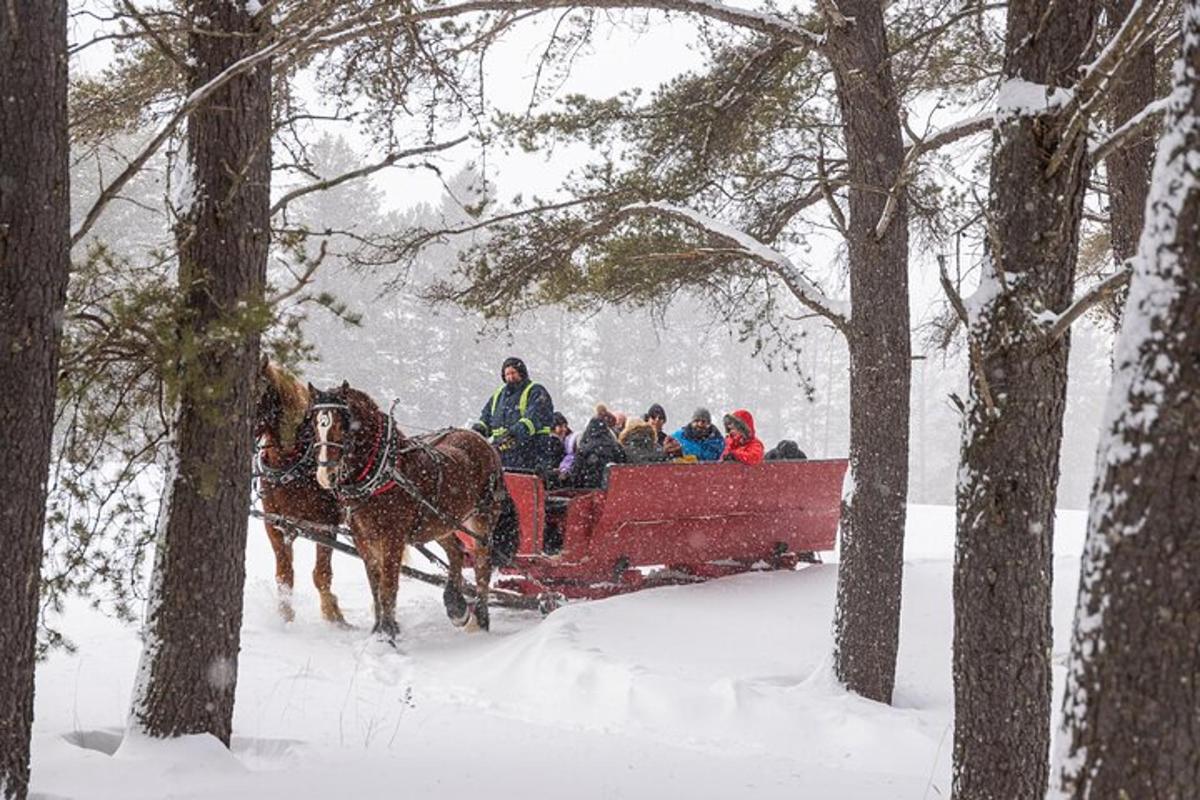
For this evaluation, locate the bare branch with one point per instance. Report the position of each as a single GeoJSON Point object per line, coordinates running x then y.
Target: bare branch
{"type": "Point", "coordinates": [1126, 131]}
{"type": "Point", "coordinates": [765, 23]}
{"type": "Point", "coordinates": [362, 172]}
{"type": "Point", "coordinates": [154, 35]}
{"type": "Point", "coordinates": [1138, 28]}
{"type": "Point", "coordinates": [1101, 291]}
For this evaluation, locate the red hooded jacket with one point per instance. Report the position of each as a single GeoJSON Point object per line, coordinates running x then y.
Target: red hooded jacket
{"type": "Point", "coordinates": [738, 445]}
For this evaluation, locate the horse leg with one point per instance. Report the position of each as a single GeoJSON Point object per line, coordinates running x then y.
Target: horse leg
{"type": "Point", "coordinates": [452, 596]}
{"type": "Point", "coordinates": [389, 584]}
{"type": "Point", "coordinates": [481, 527]}
{"type": "Point", "coordinates": [284, 574]}
{"type": "Point", "coordinates": [370, 552]}
{"type": "Point", "coordinates": [483, 582]}
{"type": "Point", "coordinates": [323, 580]}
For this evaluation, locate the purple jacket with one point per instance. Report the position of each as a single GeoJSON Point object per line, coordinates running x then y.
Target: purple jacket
{"type": "Point", "coordinates": [568, 460]}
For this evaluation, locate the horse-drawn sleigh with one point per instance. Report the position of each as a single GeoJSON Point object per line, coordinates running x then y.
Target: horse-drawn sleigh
{"type": "Point", "coordinates": [332, 466]}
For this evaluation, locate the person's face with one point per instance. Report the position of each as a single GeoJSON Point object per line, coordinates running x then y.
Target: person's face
{"type": "Point", "coordinates": [701, 425]}
{"type": "Point", "coordinates": [561, 431]}
{"type": "Point", "coordinates": [511, 375]}
{"type": "Point", "coordinates": [657, 423]}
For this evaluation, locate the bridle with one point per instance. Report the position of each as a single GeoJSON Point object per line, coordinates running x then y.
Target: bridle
{"type": "Point", "coordinates": [346, 446]}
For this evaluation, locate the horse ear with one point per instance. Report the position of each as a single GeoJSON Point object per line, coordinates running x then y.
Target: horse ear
{"type": "Point", "coordinates": [266, 362]}
{"type": "Point", "coordinates": [312, 390]}
{"type": "Point", "coordinates": [345, 386]}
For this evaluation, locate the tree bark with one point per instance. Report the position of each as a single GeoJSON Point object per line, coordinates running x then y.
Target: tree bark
{"type": "Point", "coordinates": [188, 672]}
{"type": "Point", "coordinates": [1129, 165]}
{"type": "Point", "coordinates": [1131, 713]}
{"type": "Point", "coordinates": [34, 260]}
{"type": "Point", "coordinates": [867, 623]}
{"type": "Point", "coordinates": [1012, 431]}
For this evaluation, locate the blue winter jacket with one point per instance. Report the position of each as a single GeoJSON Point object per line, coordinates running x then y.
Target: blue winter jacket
{"type": "Point", "coordinates": [527, 434]}
{"type": "Point", "coordinates": [704, 449]}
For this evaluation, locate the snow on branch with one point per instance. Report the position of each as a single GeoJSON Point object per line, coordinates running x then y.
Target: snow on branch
{"type": "Point", "coordinates": [1116, 139]}
{"type": "Point", "coordinates": [763, 22]}
{"type": "Point", "coordinates": [1059, 325]}
{"type": "Point", "coordinates": [807, 292]}
{"type": "Point", "coordinates": [1096, 78]}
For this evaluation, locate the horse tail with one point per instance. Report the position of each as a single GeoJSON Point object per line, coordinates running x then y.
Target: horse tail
{"type": "Point", "coordinates": [507, 530]}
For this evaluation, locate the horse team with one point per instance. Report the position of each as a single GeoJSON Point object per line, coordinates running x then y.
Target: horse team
{"type": "Point", "coordinates": [333, 457]}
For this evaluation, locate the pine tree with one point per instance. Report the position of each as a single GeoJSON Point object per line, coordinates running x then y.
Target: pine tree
{"type": "Point", "coordinates": [188, 671]}
{"type": "Point", "coordinates": [34, 258]}
{"type": "Point", "coordinates": [1131, 713]}
{"type": "Point", "coordinates": [1012, 432]}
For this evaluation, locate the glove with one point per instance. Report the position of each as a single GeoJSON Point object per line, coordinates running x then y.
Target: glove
{"type": "Point", "coordinates": [480, 428]}
{"type": "Point", "coordinates": [502, 438]}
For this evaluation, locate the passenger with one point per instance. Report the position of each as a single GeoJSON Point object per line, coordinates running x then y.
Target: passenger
{"type": "Point", "coordinates": [569, 439]}
{"type": "Point", "coordinates": [556, 446]}
{"type": "Point", "coordinates": [596, 450]}
{"type": "Point", "coordinates": [741, 444]}
{"type": "Point", "coordinates": [699, 438]}
{"type": "Point", "coordinates": [619, 420]}
{"type": "Point", "coordinates": [639, 442]}
{"type": "Point", "coordinates": [657, 418]}
{"type": "Point", "coordinates": [786, 450]}
{"type": "Point", "coordinates": [518, 419]}
{"type": "Point", "coordinates": [603, 413]}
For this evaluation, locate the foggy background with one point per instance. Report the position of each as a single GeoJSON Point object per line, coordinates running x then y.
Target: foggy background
{"type": "Point", "coordinates": [441, 364]}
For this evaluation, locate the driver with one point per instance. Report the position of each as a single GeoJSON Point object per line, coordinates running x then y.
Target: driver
{"type": "Point", "coordinates": [518, 420]}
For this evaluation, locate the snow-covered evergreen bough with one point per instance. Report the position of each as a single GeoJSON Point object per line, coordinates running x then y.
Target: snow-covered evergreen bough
{"type": "Point", "coordinates": [1131, 722]}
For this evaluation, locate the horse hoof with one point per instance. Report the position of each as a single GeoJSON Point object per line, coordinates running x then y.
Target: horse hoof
{"type": "Point", "coordinates": [286, 613]}
{"type": "Point", "coordinates": [477, 621]}
{"type": "Point", "coordinates": [463, 619]}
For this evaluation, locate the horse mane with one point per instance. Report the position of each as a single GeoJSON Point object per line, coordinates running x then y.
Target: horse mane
{"type": "Point", "coordinates": [293, 399]}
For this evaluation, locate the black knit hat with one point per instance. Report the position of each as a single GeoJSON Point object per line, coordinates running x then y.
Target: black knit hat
{"type": "Point", "coordinates": [517, 364]}
{"type": "Point", "coordinates": [559, 419]}
{"type": "Point", "coordinates": [656, 411]}
{"type": "Point", "coordinates": [702, 413]}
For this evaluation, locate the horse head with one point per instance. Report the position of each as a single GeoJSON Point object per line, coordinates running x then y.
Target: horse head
{"type": "Point", "coordinates": [344, 422]}
{"type": "Point", "coordinates": [282, 403]}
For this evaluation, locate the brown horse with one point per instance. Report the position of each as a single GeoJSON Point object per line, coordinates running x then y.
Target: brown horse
{"type": "Point", "coordinates": [287, 480]}
{"type": "Point", "coordinates": [397, 490]}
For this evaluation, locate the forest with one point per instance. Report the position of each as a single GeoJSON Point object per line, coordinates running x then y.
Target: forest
{"type": "Point", "coordinates": [953, 242]}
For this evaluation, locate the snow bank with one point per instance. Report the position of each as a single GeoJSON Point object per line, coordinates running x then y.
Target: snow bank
{"type": "Point", "coordinates": [719, 690]}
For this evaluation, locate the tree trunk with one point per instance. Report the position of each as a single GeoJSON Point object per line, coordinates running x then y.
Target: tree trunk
{"type": "Point", "coordinates": [1131, 714]}
{"type": "Point", "coordinates": [188, 672]}
{"type": "Point", "coordinates": [1012, 431]}
{"type": "Point", "coordinates": [1129, 166]}
{"type": "Point", "coordinates": [34, 259]}
{"type": "Point", "coordinates": [867, 624]}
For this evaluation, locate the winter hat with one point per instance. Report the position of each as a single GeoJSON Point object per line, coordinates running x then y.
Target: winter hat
{"type": "Point", "coordinates": [517, 364]}
{"type": "Point", "coordinates": [604, 414]}
{"type": "Point", "coordinates": [702, 414]}
{"type": "Point", "coordinates": [741, 421]}
{"type": "Point", "coordinates": [656, 411]}
{"type": "Point", "coordinates": [636, 429]}
{"type": "Point", "coordinates": [786, 450]}
{"type": "Point", "coordinates": [559, 419]}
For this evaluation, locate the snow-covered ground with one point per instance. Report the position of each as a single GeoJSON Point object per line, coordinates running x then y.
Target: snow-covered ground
{"type": "Point", "coordinates": [719, 690]}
